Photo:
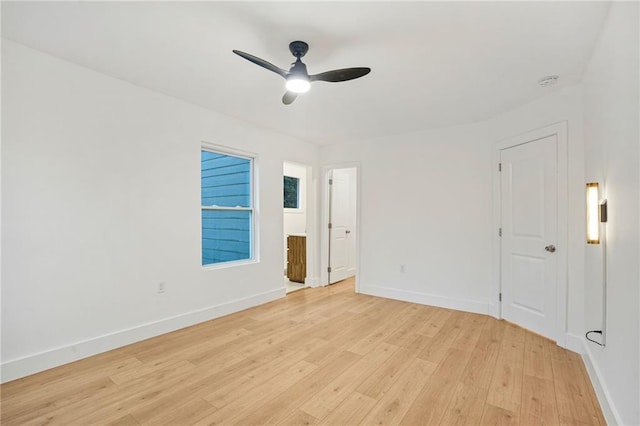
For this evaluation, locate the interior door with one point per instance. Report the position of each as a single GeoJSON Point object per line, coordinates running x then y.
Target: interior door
{"type": "Point", "coordinates": [339, 232]}
{"type": "Point", "coordinates": [529, 212]}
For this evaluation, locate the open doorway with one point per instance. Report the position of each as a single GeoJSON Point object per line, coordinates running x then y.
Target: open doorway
{"type": "Point", "coordinates": [341, 231]}
{"type": "Point", "coordinates": [295, 223]}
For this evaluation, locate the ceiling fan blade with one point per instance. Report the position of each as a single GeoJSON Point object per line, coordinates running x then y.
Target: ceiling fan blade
{"type": "Point", "coordinates": [289, 97]}
{"type": "Point", "coordinates": [262, 63]}
{"type": "Point", "coordinates": [340, 75]}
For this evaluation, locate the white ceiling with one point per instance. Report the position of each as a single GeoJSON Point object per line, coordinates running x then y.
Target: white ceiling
{"type": "Point", "coordinates": [433, 63]}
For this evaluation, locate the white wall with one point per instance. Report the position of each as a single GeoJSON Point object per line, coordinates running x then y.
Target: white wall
{"type": "Point", "coordinates": [100, 202]}
{"type": "Point", "coordinates": [426, 202]}
{"type": "Point", "coordinates": [612, 158]}
{"type": "Point", "coordinates": [416, 194]}
{"type": "Point", "coordinates": [295, 220]}
{"type": "Point", "coordinates": [352, 172]}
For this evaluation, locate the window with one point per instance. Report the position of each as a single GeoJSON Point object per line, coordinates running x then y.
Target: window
{"type": "Point", "coordinates": [291, 191]}
{"type": "Point", "coordinates": [227, 207]}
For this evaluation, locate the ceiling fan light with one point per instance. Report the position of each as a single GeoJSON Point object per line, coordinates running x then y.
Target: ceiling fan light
{"type": "Point", "coordinates": [298, 84]}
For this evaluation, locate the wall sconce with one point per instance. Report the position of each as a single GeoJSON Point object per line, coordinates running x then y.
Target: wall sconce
{"type": "Point", "coordinates": [596, 213]}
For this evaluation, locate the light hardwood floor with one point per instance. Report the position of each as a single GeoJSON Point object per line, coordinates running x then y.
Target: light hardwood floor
{"type": "Point", "coordinates": [320, 356]}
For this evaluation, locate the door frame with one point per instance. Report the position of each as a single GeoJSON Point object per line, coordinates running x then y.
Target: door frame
{"type": "Point", "coordinates": [324, 220]}
{"type": "Point", "coordinates": [310, 221]}
{"type": "Point", "coordinates": [495, 306]}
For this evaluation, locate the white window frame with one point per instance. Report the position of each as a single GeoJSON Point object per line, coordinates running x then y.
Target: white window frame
{"type": "Point", "coordinates": [253, 199]}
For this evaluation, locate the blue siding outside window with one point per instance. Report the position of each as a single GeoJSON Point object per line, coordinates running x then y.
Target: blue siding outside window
{"type": "Point", "coordinates": [227, 211]}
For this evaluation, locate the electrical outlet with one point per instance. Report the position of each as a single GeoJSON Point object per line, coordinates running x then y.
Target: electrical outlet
{"type": "Point", "coordinates": [402, 269]}
{"type": "Point", "coordinates": [162, 287]}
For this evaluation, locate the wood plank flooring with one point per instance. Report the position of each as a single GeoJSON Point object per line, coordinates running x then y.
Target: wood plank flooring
{"type": "Point", "coordinates": [320, 356]}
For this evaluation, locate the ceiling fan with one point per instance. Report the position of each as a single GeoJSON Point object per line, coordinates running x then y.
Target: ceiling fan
{"type": "Point", "coordinates": [298, 79]}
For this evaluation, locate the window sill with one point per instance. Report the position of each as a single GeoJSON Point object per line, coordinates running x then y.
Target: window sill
{"type": "Point", "coordinates": [296, 211]}
{"type": "Point", "coordinates": [231, 264]}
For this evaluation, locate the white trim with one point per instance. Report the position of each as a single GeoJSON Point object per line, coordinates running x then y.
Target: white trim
{"type": "Point", "coordinates": [574, 343]}
{"type": "Point", "coordinates": [609, 410]}
{"type": "Point", "coordinates": [228, 264]}
{"type": "Point", "coordinates": [465, 305]}
{"type": "Point", "coordinates": [247, 209]}
{"type": "Point", "coordinates": [560, 131]}
{"type": "Point", "coordinates": [249, 155]}
{"type": "Point", "coordinates": [312, 282]}
{"type": "Point", "coordinates": [289, 210]}
{"type": "Point", "coordinates": [324, 220]}
{"type": "Point", "coordinates": [31, 364]}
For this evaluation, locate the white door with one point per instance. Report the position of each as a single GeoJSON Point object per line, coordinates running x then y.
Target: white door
{"type": "Point", "coordinates": [529, 213]}
{"type": "Point", "coordinates": [341, 234]}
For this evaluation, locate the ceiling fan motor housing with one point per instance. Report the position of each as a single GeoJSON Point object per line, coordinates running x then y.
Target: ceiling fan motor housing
{"type": "Point", "coordinates": [298, 48]}
{"type": "Point", "coordinates": [298, 68]}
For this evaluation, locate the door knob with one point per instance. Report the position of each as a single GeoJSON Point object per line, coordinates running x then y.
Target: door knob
{"type": "Point", "coordinates": [550, 248]}
{"type": "Point", "coordinates": [347, 231]}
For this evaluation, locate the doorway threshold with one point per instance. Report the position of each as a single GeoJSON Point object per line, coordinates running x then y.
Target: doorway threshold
{"type": "Point", "coordinates": [292, 286]}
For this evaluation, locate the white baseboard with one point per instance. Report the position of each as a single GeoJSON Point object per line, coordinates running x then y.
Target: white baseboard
{"type": "Point", "coordinates": [45, 360]}
{"type": "Point", "coordinates": [573, 343]}
{"type": "Point", "coordinates": [609, 411]}
{"type": "Point", "coordinates": [312, 281]}
{"type": "Point", "coordinates": [427, 299]}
